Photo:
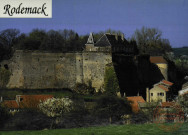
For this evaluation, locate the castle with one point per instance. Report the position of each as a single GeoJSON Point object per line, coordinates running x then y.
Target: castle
{"type": "Point", "coordinates": [47, 70]}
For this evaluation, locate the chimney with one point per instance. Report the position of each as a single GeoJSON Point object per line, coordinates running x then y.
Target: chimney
{"type": "Point", "coordinates": [147, 95]}
{"type": "Point", "coordinates": [122, 37]}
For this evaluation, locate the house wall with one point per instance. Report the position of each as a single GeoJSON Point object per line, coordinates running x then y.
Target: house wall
{"type": "Point", "coordinates": [164, 69]}
{"type": "Point", "coordinates": [155, 97]}
{"type": "Point", "coordinates": [43, 70]}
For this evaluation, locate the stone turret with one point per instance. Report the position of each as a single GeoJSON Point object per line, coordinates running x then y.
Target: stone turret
{"type": "Point", "coordinates": [90, 39]}
{"type": "Point", "coordinates": [89, 46]}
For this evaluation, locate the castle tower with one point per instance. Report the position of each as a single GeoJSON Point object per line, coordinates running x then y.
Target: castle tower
{"type": "Point", "coordinates": [90, 39]}
{"type": "Point", "coordinates": [89, 46]}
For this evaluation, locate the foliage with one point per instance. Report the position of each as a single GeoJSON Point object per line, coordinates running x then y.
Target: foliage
{"type": "Point", "coordinates": [82, 88]}
{"type": "Point", "coordinates": [182, 64]}
{"type": "Point", "coordinates": [149, 110]}
{"type": "Point", "coordinates": [183, 101]}
{"type": "Point", "coordinates": [28, 120]}
{"type": "Point", "coordinates": [111, 84]}
{"type": "Point", "coordinates": [112, 107]}
{"type": "Point", "coordinates": [4, 77]}
{"type": "Point", "coordinates": [3, 115]}
{"type": "Point", "coordinates": [61, 40]}
{"type": "Point", "coordinates": [139, 118]}
{"type": "Point", "coordinates": [8, 38]}
{"type": "Point", "coordinates": [55, 107]}
{"type": "Point", "coordinates": [180, 51]}
{"type": "Point", "coordinates": [149, 41]}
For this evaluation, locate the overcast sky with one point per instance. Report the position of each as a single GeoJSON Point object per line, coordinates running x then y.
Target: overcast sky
{"type": "Point", "coordinates": [85, 16]}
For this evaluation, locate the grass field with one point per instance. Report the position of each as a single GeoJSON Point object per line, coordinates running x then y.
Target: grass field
{"type": "Point", "coordinates": [142, 129]}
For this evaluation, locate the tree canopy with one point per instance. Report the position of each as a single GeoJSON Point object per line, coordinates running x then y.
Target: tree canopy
{"type": "Point", "coordinates": [8, 37]}
{"type": "Point", "coordinates": [150, 42]}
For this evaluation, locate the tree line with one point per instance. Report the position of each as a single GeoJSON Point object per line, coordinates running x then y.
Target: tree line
{"type": "Point", "coordinates": [148, 41]}
{"type": "Point", "coordinates": [52, 40]}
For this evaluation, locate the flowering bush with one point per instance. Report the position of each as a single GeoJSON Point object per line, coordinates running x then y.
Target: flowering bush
{"type": "Point", "coordinates": [183, 101]}
{"type": "Point", "coordinates": [55, 107]}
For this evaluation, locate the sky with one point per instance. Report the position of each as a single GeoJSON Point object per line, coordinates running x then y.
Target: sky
{"type": "Point", "coordinates": [85, 16]}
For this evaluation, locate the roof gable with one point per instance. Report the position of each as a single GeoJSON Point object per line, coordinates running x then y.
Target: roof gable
{"type": "Point", "coordinates": [103, 41]}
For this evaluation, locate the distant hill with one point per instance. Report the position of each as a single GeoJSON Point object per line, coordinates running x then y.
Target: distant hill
{"type": "Point", "coordinates": [180, 51]}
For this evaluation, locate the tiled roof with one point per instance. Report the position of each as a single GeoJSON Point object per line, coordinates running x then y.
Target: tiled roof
{"type": "Point", "coordinates": [32, 101]}
{"type": "Point", "coordinates": [26, 101]}
{"type": "Point", "coordinates": [135, 100]}
{"type": "Point", "coordinates": [157, 59]}
{"type": "Point", "coordinates": [167, 104]}
{"type": "Point", "coordinates": [167, 82]}
{"type": "Point", "coordinates": [163, 87]}
{"type": "Point", "coordinates": [11, 104]}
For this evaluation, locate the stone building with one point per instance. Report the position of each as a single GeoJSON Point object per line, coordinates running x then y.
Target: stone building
{"type": "Point", "coordinates": [47, 70]}
{"type": "Point", "coordinates": [113, 43]}
{"type": "Point", "coordinates": [162, 65]}
{"type": "Point", "coordinates": [158, 92]}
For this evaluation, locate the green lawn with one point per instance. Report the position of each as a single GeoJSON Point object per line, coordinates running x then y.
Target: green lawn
{"type": "Point", "coordinates": [142, 129]}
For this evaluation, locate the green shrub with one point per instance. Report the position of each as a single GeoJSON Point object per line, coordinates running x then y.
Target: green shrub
{"type": "Point", "coordinates": [183, 101]}
{"type": "Point", "coordinates": [3, 116]}
{"type": "Point", "coordinates": [139, 118]}
{"type": "Point", "coordinates": [28, 120]}
{"type": "Point", "coordinates": [82, 88]}
{"type": "Point", "coordinates": [112, 107]}
{"type": "Point", "coordinates": [111, 84]}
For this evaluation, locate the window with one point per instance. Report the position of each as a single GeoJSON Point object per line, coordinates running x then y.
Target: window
{"type": "Point", "coordinates": [151, 94]}
{"type": "Point", "coordinates": [158, 94]}
{"type": "Point", "coordinates": [161, 94]}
